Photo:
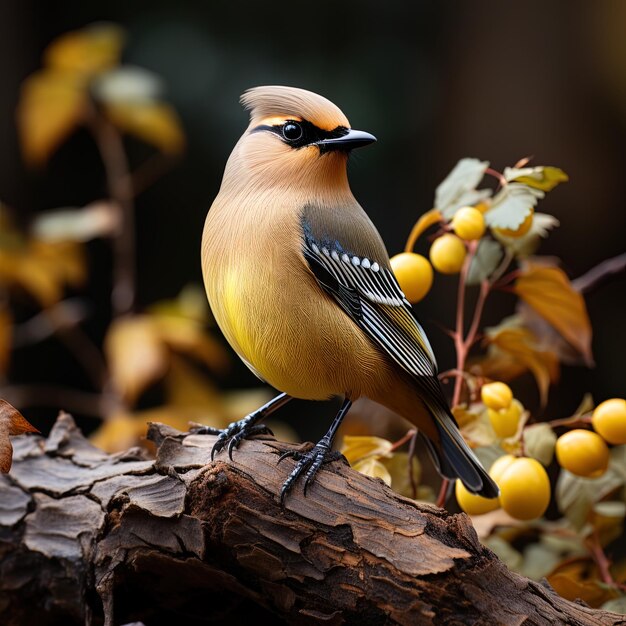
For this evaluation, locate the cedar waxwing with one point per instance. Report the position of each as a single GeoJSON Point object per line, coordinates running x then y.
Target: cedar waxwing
{"type": "Point", "coordinates": [300, 283]}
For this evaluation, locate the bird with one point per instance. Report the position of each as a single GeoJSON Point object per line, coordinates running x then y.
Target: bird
{"type": "Point", "coordinates": [300, 283]}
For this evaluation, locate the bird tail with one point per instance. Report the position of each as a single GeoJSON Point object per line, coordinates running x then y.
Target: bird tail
{"type": "Point", "coordinates": [455, 459]}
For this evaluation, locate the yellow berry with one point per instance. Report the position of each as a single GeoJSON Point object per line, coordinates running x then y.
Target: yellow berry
{"type": "Point", "coordinates": [499, 466]}
{"type": "Point", "coordinates": [447, 254]}
{"type": "Point", "coordinates": [506, 421]}
{"type": "Point", "coordinates": [582, 452]}
{"type": "Point", "coordinates": [521, 230]}
{"type": "Point", "coordinates": [471, 503]}
{"type": "Point", "coordinates": [524, 489]}
{"type": "Point", "coordinates": [468, 223]}
{"type": "Point", "coordinates": [496, 395]}
{"type": "Point", "coordinates": [609, 420]}
{"type": "Point", "coordinates": [483, 206]}
{"type": "Point", "coordinates": [414, 274]}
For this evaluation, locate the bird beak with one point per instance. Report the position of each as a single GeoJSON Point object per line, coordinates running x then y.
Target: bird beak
{"type": "Point", "coordinates": [352, 139]}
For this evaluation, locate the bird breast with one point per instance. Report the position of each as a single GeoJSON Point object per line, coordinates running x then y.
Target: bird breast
{"type": "Point", "coordinates": [274, 314]}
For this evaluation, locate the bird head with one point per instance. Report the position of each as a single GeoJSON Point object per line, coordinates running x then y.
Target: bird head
{"type": "Point", "coordinates": [295, 138]}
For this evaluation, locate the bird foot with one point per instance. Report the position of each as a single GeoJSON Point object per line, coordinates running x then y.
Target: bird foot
{"type": "Point", "coordinates": [233, 434]}
{"type": "Point", "coordinates": [307, 463]}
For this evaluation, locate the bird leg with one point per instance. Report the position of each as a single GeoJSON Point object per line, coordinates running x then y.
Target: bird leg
{"type": "Point", "coordinates": [311, 461]}
{"type": "Point", "coordinates": [245, 428]}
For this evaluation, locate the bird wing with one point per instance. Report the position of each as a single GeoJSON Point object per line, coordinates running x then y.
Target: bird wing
{"type": "Point", "coordinates": [369, 293]}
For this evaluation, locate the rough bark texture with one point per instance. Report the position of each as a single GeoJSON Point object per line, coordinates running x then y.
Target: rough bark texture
{"type": "Point", "coordinates": [90, 537]}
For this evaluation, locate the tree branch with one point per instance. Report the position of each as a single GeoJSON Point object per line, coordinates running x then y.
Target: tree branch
{"type": "Point", "coordinates": [180, 539]}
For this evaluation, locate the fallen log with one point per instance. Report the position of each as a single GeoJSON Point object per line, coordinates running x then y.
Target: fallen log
{"type": "Point", "coordinates": [92, 538]}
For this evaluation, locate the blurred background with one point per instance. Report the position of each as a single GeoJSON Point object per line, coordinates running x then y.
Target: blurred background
{"type": "Point", "coordinates": [434, 81]}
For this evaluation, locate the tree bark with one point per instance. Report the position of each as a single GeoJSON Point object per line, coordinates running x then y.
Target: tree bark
{"type": "Point", "coordinates": [87, 537]}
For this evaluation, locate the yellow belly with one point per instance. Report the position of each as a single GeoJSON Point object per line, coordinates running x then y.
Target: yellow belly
{"type": "Point", "coordinates": [292, 334]}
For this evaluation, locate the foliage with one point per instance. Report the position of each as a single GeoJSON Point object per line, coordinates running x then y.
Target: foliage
{"type": "Point", "coordinates": [169, 344]}
{"type": "Point", "coordinates": [551, 326]}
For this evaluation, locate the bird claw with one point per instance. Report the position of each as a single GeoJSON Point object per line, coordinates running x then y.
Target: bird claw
{"type": "Point", "coordinates": [231, 436]}
{"type": "Point", "coordinates": [309, 462]}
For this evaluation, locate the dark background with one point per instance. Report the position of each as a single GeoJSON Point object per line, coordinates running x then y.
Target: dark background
{"type": "Point", "coordinates": [434, 81]}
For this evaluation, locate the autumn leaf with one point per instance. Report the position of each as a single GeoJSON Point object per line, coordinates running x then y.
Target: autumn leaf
{"type": "Point", "coordinates": [136, 355]}
{"type": "Point", "coordinates": [357, 447]}
{"type": "Point", "coordinates": [475, 426]}
{"type": "Point", "coordinates": [575, 580]}
{"type": "Point", "coordinates": [511, 206]}
{"type": "Point", "coordinates": [549, 292]}
{"type": "Point", "coordinates": [528, 243]}
{"type": "Point", "coordinates": [371, 466]}
{"type": "Point", "coordinates": [12, 423]}
{"type": "Point", "coordinates": [513, 350]}
{"type": "Point", "coordinates": [128, 84]}
{"type": "Point", "coordinates": [51, 106]}
{"type": "Point", "coordinates": [459, 187]}
{"type": "Point", "coordinates": [87, 51]}
{"type": "Point", "coordinates": [541, 177]}
{"type": "Point", "coordinates": [154, 122]}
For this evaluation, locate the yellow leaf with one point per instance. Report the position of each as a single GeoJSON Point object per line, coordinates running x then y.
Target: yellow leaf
{"type": "Point", "coordinates": [154, 122]}
{"type": "Point", "coordinates": [398, 467]}
{"type": "Point", "coordinates": [6, 334]}
{"type": "Point", "coordinates": [542, 177]}
{"type": "Point", "coordinates": [356, 448]}
{"type": "Point", "coordinates": [136, 355]}
{"type": "Point", "coordinates": [475, 426]}
{"type": "Point", "coordinates": [188, 336]}
{"type": "Point", "coordinates": [118, 433]}
{"type": "Point", "coordinates": [64, 260]}
{"type": "Point", "coordinates": [51, 105]}
{"type": "Point", "coordinates": [577, 579]}
{"type": "Point", "coordinates": [374, 468]}
{"type": "Point", "coordinates": [87, 51]}
{"type": "Point", "coordinates": [549, 292]}
{"type": "Point", "coordinates": [513, 350]}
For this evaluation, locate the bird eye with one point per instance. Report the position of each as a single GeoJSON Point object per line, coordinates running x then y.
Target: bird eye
{"type": "Point", "coordinates": [292, 131]}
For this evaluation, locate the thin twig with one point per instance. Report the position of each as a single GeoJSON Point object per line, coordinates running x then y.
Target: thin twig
{"type": "Point", "coordinates": [600, 273]}
{"type": "Point", "coordinates": [398, 444]}
{"type": "Point", "coordinates": [120, 187]}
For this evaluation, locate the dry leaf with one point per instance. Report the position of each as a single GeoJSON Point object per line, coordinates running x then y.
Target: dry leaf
{"type": "Point", "coordinates": [527, 244]}
{"type": "Point", "coordinates": [578, 578]}
{"type": "Point", "coordinates": [154, 122]}
{"type": "Point", "coordinates": [136, 355]}
{"type": "Point", "coordinates": [87, 51]}
{"type": "Point", "coordinates": [128, 84]}
{"type": "Point", "coordinates": [356, 448]}
{"type": "Point", "coordinates": [513, 350]}
{"type": "Point", "coordinates": [549, 292]}
{"type": "Point", "coordinates": [371, 466]}
{"type": "Point", "coordinates": [189, 337]}
{"type": "Point", "coordinates": [475, 426]}
{"type": "Point", "coordinates": [12, 423]}
{"type": "Point", "coordinates": [51, 106]}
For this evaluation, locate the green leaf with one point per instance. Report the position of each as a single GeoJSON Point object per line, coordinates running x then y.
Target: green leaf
{"type": "Point", "coordinates": [539, 441]}
{"type": "Point", "coordinates": [527, 244]}
{"type": "Point", "coordinates": [618, 605]}
{"type": "Point", "coordinates": [459, 187]}
{"type": "Point", "coordinates": [488, 256]}
{"type": "Point", "coordinates": [512, 205]}
{"type": "Point", "coordinates": [542, 177]}
{"type": "Point", "coordinates": [575, 496]}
